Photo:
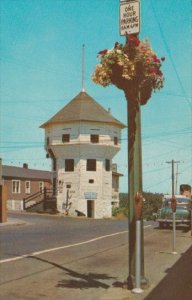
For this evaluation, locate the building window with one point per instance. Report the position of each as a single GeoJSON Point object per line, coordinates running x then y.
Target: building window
{"type": "Point", "coordinates": [65, 138]}
{"type": "Point", "coordinates": [54, 164]}
{"type": "Point", "coordinates": [115, 140]}
{"type": "Point", "coordinates": [69, 165]}
{"type": "Point", "coordinates": [41, 186]}
{"type": "Point", "coordinates": [91, 164]}
{"type": "Point", "coordinates": [16, 186]}
{"type": "Point", "coordinates": [68, 186]}
{"type": "Point", "coordinates": [107, 165]}
{"type": "Point", "coordinates": [94, 138]}
{"type": "Point", "coordinates": [48, 141]}
{"type": "Point", "coordinates": [27, 187]}
{"type": "Point", "coordinates": [91, 180]}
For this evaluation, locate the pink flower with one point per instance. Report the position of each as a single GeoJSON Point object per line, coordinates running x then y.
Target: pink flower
{"type": "Point", "coordinates": [155, 59]}
{"type": "Point", "coordinates": [159, 73]}
{"type": "Point", "coordinates": [152, 70]}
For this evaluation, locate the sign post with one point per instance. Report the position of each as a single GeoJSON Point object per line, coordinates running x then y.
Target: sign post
{"type": "Point", "coordinates": [129, 25]}
{"type": "Point", "coordinates": [174, 206]}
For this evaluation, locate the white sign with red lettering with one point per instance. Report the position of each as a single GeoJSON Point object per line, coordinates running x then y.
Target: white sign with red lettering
{"type": "Point", "coordinates": [129, 17]}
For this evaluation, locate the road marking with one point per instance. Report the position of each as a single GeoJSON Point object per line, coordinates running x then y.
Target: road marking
{"type": "Point", "coordinates": [62, 247]}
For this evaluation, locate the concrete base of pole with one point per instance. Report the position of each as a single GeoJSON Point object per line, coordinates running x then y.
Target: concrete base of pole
{"type": "Point", "coordinates": [137, 291]}
{"type": "Point", "coordinates": [131, 282]}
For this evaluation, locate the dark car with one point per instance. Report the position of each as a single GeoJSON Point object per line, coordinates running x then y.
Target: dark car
{"type": "Point", "coordinates": [182, 214]}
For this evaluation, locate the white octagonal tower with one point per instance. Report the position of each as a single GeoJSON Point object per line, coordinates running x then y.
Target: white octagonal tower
{"type": "Point", "coordinates": [82, 139]}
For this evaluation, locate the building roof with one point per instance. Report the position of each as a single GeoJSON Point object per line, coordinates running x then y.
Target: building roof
{"type": "Point", "coordinates": [83, 108]}
{"type": "Point", "coordinates": [25, 173]}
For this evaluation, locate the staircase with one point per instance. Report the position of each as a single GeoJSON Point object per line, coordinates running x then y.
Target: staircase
{"type": "Point", "coordinates": [43, 201]}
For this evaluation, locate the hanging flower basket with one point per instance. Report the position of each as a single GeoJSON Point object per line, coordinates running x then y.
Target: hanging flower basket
{"type": "Point", "coordinates": [132, 67]}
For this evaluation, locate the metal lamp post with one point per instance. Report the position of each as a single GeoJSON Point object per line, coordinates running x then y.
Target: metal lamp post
{"type": "Point", "coordinates": [131, 72]}
{"type": "Point", "coordinates": [134, 184]}
{"type": "Point", "coordinates": [132, 94]}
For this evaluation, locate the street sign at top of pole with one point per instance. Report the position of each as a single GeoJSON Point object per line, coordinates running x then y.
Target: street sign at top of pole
{"type": "Point", "coordinates": [129, 17]}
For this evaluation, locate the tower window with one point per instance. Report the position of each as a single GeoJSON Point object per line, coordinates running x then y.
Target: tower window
{"type": "Point", "coordinates": [107, 165]}
{"type": "Point", "coordinates": [65, 138]}
{"type": "Point", "coordinates": [94, 138]}
{"type": "Point", "coordinates": [69, 165]}
{"type": "Point", "coordinates": [91, 180]}
{"type": "Point", "coordinates": [91, 164]}
{"type": "Point", "coordinates": [115, 140]}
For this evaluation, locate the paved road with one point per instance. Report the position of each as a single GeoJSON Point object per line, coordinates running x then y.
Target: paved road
{"type": "Point", "coordinates": [94, 270]}
{"type": "Point", "coordinates": [44, 232]}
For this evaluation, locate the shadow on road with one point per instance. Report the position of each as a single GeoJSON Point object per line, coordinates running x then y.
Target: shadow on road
{"type": "Point", "coordinates": [177, 284]}
{"type": "Point", "coordinates": [81, 281]}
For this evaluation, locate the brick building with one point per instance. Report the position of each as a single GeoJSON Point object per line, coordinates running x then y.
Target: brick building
{"type": "Point", "coordinates": [23, 182]}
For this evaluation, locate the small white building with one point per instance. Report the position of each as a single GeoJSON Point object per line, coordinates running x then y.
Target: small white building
{"type": "Point", "coordinates": [82, 139]}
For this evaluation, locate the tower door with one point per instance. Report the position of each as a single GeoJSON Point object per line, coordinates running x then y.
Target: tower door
{"type": "Point", "coordinates": [90, 208]}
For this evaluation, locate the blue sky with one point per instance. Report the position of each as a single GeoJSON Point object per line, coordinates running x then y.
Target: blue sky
{"type": "Point", "coordinates": [41, 52]}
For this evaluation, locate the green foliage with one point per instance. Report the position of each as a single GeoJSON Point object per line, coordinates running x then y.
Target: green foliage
{"type": "Point", "coordinates": [119, 210]}
{"type": "Point", "coordinates": [123, 200]}
{"type": "Point", "coordinates": [151, 205]}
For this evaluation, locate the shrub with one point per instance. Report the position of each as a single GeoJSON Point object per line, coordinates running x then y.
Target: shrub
{"type": "Point", "coordinates": [119, 211]}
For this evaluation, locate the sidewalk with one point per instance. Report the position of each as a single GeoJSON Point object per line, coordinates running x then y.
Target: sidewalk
{"type": "Point", "coordinates": [13, 221]}
{"type": "Point", "coordinates": [169, 275]}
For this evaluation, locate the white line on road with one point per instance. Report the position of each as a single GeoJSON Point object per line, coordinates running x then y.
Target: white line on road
{"type": "Point", "coordinates": [62, 247]}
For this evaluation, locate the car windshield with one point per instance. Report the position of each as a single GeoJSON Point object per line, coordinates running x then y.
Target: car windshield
{"type": "Point", "coordinates": [180, 201]}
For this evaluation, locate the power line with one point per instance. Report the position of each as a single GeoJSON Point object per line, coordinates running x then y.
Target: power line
{"type": "Point", "coordinates": [170, 56]}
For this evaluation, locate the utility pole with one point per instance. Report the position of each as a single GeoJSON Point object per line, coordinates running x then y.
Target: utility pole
{"type": "Point", "coordinates": [173, 203]}
{"type": "Point", "coordinates": [172, 162]}
{"type": "Point", "coordinates": [176, 179]}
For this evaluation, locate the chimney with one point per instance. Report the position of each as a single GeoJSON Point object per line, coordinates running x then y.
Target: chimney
{"type": "Point", "coordinates": [25, 166]}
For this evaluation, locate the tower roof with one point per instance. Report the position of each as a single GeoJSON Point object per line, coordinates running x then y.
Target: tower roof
{"type": "Point", "coordinates": [83, 108]}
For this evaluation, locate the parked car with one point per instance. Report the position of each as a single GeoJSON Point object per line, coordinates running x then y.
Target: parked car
{"type": "Point", "coordinates": [182, 214]}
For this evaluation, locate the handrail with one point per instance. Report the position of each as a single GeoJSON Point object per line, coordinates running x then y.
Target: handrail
{"type": "Point", "coordinates": [46, 192]}
{"type": "Point", "coordinates": [31, 197]}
